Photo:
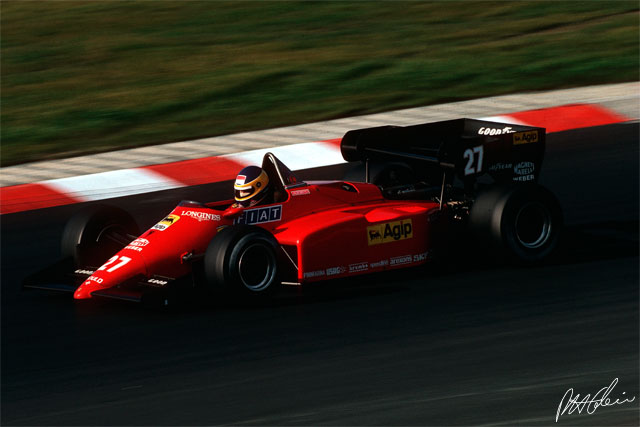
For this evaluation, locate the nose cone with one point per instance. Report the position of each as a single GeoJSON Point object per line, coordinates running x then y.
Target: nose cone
{"type": "Point", "coordinates": [118, 269]}
{"type": "Point", "coordinates": [83, 291]}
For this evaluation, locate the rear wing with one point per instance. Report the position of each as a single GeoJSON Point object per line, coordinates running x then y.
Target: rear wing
{"type": "Point", "coordinates": [469, 147]}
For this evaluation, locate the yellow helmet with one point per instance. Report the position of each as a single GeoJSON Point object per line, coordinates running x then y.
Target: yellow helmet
{"type": "Point", "coordinates": [251, 186]}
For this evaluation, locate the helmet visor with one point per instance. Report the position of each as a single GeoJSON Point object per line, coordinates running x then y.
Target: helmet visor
{"type": "Point", "coordinates": [244, 193]}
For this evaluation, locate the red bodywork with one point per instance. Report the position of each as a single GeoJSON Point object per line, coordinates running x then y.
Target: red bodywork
{"type": "Point", "coordinates": [326, 230]}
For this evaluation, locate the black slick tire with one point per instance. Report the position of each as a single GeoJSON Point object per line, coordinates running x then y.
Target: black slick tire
{"type": "Point", "coordinates": [95, 233]}
{"type": "Point", "coordinates": [521, 223]}
{"type": "Point", "coordinates": [241, 261]}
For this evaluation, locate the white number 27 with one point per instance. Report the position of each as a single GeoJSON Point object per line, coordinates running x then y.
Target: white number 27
{"type": "Point", "coordinates": [474, 160]}
{"type": "Point", "coordinates": [123, 261]}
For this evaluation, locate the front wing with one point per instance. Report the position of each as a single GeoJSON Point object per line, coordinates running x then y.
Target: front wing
{"type": "Point", "coordinates": [62, 276]}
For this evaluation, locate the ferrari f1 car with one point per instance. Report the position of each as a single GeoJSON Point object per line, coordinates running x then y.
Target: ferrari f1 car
{"type": "Point", "coordinates": [425, 188]}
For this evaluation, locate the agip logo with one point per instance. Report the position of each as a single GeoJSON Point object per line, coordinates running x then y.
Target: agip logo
{"type": "Point", "coordinates": [520, 138]}
{"type": "Point", "coordinates": [389, 232]}
{"type": "Point", "coordinates": [166, 223]}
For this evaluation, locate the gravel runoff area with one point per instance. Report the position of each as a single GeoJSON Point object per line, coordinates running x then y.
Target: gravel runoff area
{"type": "Point", "coordinates": [623, 98]}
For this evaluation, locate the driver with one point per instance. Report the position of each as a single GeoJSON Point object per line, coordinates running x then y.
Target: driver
{"type": "Point", "coordinates": [252, 187]}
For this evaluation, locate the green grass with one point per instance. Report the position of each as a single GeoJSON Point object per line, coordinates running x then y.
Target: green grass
{"type": "Point", "coordinates": [80, 77]}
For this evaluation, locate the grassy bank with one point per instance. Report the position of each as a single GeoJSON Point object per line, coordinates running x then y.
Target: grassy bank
{"type": "Point", "coordinates": [81, 77]}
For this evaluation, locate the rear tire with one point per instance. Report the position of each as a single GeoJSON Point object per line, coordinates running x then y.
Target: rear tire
{"type": "Point", "coordinates": [522, 222]}
{"type": "Point", "coordinates": [242, 262]}
{"type": "Point", "coordinates": [95, 233]}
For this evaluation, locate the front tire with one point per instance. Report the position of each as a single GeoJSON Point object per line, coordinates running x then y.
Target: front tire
{"type": "Point", "coordinates": [242, 261]}
{"type": "Point", "coordinates": [95, 233]}
{"type": "Point", "coordinates": [522, 222]}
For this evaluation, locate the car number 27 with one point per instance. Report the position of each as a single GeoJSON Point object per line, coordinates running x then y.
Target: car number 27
{"type": "Point", "coordinates": [123, 261]}
{"type": "Point", "coordinates": [474, 160]}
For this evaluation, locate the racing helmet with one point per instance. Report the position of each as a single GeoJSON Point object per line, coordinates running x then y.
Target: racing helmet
{"type": "Point", "coordinates": [251, 186]}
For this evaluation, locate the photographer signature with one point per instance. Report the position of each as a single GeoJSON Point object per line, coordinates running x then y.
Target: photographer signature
{"type": "Point", "coordinates": [570, 403]}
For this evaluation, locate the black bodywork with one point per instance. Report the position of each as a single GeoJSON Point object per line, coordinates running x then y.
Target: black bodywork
{"type": "Point", "coordinates": [468, 149]}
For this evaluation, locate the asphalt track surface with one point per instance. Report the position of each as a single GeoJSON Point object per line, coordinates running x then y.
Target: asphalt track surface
{"type": "Point", "coordinates": [462, 344]}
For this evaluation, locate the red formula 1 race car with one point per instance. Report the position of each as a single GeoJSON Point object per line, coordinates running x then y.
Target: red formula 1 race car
{"type": "Point", "coordinates": [426, 187]}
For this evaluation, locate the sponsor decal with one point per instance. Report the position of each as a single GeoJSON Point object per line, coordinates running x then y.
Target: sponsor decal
{"type": "Point", "coordinates": [240, 180]}
{"type": "Point", "coordinates": [399, 260]}
{"type": "Point", "coordinates": [220, 228]}
{"type": "Point", "coordinates": [157, 282]}
{"type": "Point", "coordinates": [361, 266]}
{"type": "Point", "coordinates": [317, 273]}
{"type": "Point", "coordinates": [524, 168]}
{"type": "Point", "coordinates": [335, 270]}
{"type": "Point", "coordinates": [95, 279]}
{"type": "Point", "coordinates": [303, 192]}
{"type": "Point", "coordinates": [137, 244]}
{"type": "Point", "coordinates": [500, 167]}
{"type": "Point", "coordinates": [420, 257]}
{"type": "Point", "coordinates": [166, 223]}
{"type": "Point", "coordinates": [260, 215]}
{"type": "Point", "coordinates": [389, 232]}
{"type": "Point", "coordinates": [495, 131]}
{"type": "Point", "coordinates": [89, 272]}
{"type": "Point", "coordinates": [524, 178]}
{"type": "Point", "coordinates": [381, 263]}
{"type": "Point", "coordinates": [525, 137]}
{"type": "Point", "coordinates": [201, 216]}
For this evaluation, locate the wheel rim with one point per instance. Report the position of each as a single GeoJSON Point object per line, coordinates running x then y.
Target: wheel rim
{"type": "Point", "coordinates": [257, 267]}
{"type": "Point", "coordinates": [533, 225]}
